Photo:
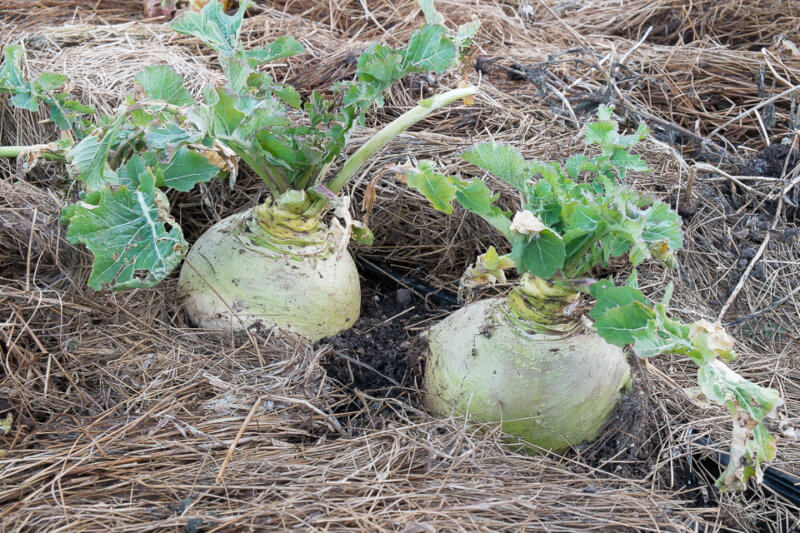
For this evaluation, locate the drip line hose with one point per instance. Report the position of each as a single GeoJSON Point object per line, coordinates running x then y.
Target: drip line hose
{"type": "Point", "coordinates": [778, 482]}
{"type": "Point", "coordinates": [425, 291]}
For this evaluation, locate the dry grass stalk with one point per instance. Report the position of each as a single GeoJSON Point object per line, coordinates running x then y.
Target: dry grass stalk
{"type": "Point", "coordinates": [126, 416]}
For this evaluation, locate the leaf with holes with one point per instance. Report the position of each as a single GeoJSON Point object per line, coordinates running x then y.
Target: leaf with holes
{"type": "Point", "coordinates": [134, 241]}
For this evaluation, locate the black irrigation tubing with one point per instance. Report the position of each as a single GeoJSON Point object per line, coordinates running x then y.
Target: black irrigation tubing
{"type": "Point", "coordinates": [439, 296]}
{"type": "Point", "coordinates": [780, 483]}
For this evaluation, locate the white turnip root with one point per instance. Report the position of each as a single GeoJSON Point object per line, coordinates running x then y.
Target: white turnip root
{"type": "Point", "coordinates": [238, 275]}
{"type": "Point", "coordinates": [552, 390]}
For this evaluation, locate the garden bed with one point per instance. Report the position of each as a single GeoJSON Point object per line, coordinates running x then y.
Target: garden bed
{"type": "Point", "coordinates": [126, 418]}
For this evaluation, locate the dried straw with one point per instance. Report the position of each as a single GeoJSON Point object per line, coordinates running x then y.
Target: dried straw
{"type": "Point", "coordinates": [125, 417]}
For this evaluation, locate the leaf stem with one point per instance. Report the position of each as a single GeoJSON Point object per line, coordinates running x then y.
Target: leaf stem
{"type": "Point", "coordinates": [389, 132]}
{"type": "Point", "coordinates": [47, 151]}
{"type": "Point", "coordinates": [499, 222]}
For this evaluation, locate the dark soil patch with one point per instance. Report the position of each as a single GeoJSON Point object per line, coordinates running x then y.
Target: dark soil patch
{"type": "Point", "coordinates": [383, 353]}
{"type": "Point", "coordinates": [774, 161]}
{"type": "Point", "coordinates": [630, 443]}
{"type": "Point", "coordinates": [770, 162]}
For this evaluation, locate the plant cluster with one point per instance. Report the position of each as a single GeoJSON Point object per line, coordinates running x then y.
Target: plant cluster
{"type": "Point", "coordinates": [162, 139]}
{"type": "Point", "coordinates": [575, 219]}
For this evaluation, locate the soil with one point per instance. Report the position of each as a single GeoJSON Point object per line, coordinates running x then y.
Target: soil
{"type": "Point", "coordinates": [770, 162]}
{"type": "Point", "coordinates": [383, 353]}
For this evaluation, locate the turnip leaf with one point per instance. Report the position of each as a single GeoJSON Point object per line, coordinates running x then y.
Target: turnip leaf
{"type": "Point", "coordinates": [500, 160]}
{"type": "Point", "coordinates": [185, 170]}
{"type": "Point", "coordinates": [475, 196]}
{"type": "Point", "coordinates": [437, 188]}
{"type": "Point", "coordinates": [662, 223]}
{"type": "Point", "coordinates": [161, 82]}
{"type": "Point", "coordinates": [134, 241]}
{"type": "Point", "coordinates": [620, 325]}
{"type": "Point", "coordinates": [616, 297]}
{"type": "Point", "coordinates": [541, 254]}
{"type": "Point", "coordinates": [212, 26]}
{"type": "Point", "coordinates": [89, 157]}
{"type": "Point", "coordinates": [429, 49]}
{"type": "Point", "coordinates": [278, 49]}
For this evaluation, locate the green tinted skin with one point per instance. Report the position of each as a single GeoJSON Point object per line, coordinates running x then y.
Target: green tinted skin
{"type": "Point", "coordinates": [553, 390]}
{"type": "Point", "coordinates": [240, 275]}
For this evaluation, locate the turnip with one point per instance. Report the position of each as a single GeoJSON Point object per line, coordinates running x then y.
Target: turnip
{"type": "Point", "coordinates": [535, 361]}
{"type": "Point", "coordinates": [281, 263]}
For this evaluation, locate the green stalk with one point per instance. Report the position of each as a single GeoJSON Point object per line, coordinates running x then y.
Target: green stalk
{"type": "Point", "coordinates": [499, 222]}
{"type": "Point", "coordinates": [15, 151]}
{"type": "Point", "coordinates": [382, 138]}
{"type": "Point", "coordinates": [274, 183]}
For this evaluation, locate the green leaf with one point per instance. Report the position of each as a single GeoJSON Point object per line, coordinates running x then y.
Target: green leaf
{"type": "Point", "coordinates": [616, 297]}
{"type": "Point", "coordinates": [621, 325]}
{"type": "Point", "coordinates": [89, 157]}
{"type": "Point", "coordinates": [667, 294]}
{"type": "Point", "coordinates": [186, 169]}
{"type": "Point", "coordinates": [127, 234]}
{"type": "Point", "coordinates": [500, 160]}
{"type": "Point", "coordinates": [578, 163]}
{"type": "Point", "coordinates": [599, 287]}
{"type": "Point", "coordinates": [615, 245]}
{"type": "Point", "coordinates": [431, 15]}
{"type": "Point", "coordinates": [604, 112]}
{"type": "Point", "coordinates": [650, 343]}
{"type": "Point", "coordinates": [219, 116]}
{"type": "Point", "coordinates": [621, 158]}
{"type": "Point", "coordinates": [161, 82]}
{"type": "Point", "coordinates": [11, 70]}
{"type": "Point", "coordinates": [749, 404]}
{"type": "Point", "coordinates": [429, 49]}
{"type": "Point", "coordinates": [289, 95]}
{"type": "Point", "coordinates": [78, 107]}
{"type": "Point", "coordinates": [437, 188]}
{"type": "Point", "coordinates": [466, 33]}
{"type": "Point", "coordinates": [549, 171]}
{"type": "Point", "coordinates": [212, 26]}
{"type": "Point", "coordinates": [585, 217]}
{"type": "Point", "coordinates": [237, 71]}
{"type": "Point", "coordinates": [49, 81]}
{"type": "Point", "coordinates": [602, 132]}
{"type": "Point", "coordinates": [170, 134]}
{"type": "Point", "coordinates": [539, 255]}
{"type": "Point", "coordinates": [25, 99]}
{"type": "Point", "coordinates": [278, 49]}
{"type": "Point", "coordinates": [380, 64]}
{"type": "Point", "coordinates": [129, 173]}
{"type": "Point", "coordinates": [475, 196]}
{"type": "Point", "coordinates": [662, 223]}
{"type": "Point", "coordinates": [362, 234]}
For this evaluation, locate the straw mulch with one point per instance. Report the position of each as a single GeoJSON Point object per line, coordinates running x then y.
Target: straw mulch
{"type": "Point", "coordinates": [126, 419]}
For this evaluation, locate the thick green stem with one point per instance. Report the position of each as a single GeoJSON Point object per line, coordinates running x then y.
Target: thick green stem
{"type": "Point", "coordinates": [275, 184]}
{"type": "Point", "coordinates": [499, 222]}
{"type": "Point", "coordinates": [54, 154]}
{"type": "Point", "coordinates": [389, 132]}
